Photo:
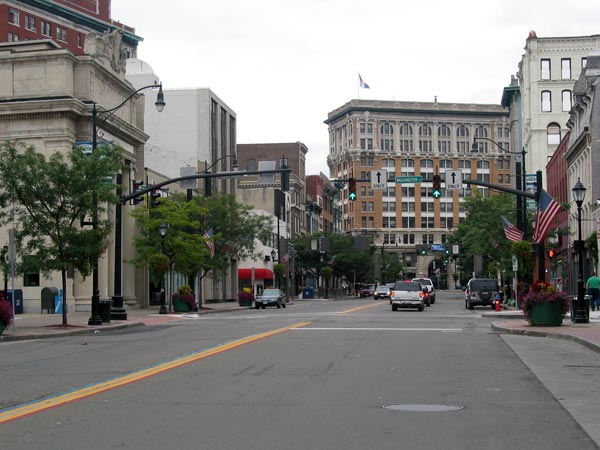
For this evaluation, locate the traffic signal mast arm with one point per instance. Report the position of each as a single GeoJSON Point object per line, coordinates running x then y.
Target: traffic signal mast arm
{"type": "Point", "coordinates": [501, 188]}
{"type": "Point", "coordinates": [126, 198]}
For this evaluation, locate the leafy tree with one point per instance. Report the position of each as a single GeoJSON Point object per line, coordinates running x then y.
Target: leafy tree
{"type": "Point", "coordinates": [218, 220]}
{"type": "Point", "coordinates": [482, 229]}
{"type": "Point", "coordinates": [47, 198]}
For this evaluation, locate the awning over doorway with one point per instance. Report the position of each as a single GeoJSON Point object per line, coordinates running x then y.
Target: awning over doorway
{"type": "Point", "coordinates": [259, 274]}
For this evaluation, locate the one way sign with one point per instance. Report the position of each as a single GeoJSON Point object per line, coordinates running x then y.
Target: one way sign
{"type": "Point", "coordinates": [453, 179]}
{"type": "Point", "coordinates": [379, 179]}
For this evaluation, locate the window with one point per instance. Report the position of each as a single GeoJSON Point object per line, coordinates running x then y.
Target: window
{"type": "Point", "coordinates": [31, 279]}
{"type": "Point", "coordinates": [565, 68]}
{"type": "Point", "coordinates": [79, 40]}
{"type": "Point", "coordinates": [387, 145]}
{"type": "Point", "coordinates": [553, 134]}
{"type": "Point", "coordinates": [251, 165]}
{"type": "Point", "coordinates": [366, 144]}
{"type": "Point", "coordinates": [12, 37]}
{"type": "Point", "coordinates": [445, 164]}
{"type": "Point", "coordinates": [545, 69]}
{"type": "Point", "coordinates": [30, 23]}
{"type": "Point", "coordinates": [444, 144]}
{"type": "Point", "coordinates": [583, 63]}
{"type": "Point", "coordinates": [464, 164]}
{"type": "Point", "coordinates": [61, 34]}
{"type": "Point", "coordinates": [408, 222]}
{"type": "Point", "coordinates": [386, 128]}
{"type": "Point", "coordinates": [13, 17]}
{"type": "Point", "coordinates": [566, 101]}
{"type": "Point", "coordinates": [426, 163]}
{"type": "Point", "coordinates": [462, 139]}
{"type": "Point", "coordinates": [46, 28]}
{"type": "Point", "coordinates": [388, 162]}
{"type": "Point", "coordinates": [425, 139]}
{"type": "Point", "coordinates": [546, 101]}
{"type": "Point", "coordinates": [408, 192]}
{"type": "Point", "coordinates": [365, 128]}
{"type": "Point", "coordinates": [406, 138]}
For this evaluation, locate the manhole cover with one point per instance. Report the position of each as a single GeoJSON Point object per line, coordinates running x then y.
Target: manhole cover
{"type": "Point", "coordinates": [412, 407]}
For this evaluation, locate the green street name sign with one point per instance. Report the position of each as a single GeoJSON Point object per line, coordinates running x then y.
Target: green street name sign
{"type": "Point", "coordinates": [413, 179]}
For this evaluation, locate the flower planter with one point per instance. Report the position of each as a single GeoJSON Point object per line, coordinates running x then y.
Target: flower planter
{"type": "Point", "coordinates": [245, 302]}
{"type": "Point", "coordinates": [180, 305]}
{"type": "Point", "coordinates": [546, 314]}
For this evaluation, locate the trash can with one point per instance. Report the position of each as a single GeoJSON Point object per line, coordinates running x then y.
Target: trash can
{"type": "Point", "coordinates": [105, 307]}
{"type": "Point", "coordinates": [575, 308]}
{"type": "Point", "coordinates": [308, 292]}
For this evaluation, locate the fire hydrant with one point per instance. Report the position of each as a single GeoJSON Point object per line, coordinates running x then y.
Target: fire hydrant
{"type": "Point", "coordinates": [497, 303]}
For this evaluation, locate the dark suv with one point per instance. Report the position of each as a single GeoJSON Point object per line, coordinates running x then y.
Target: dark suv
{"type": "Point", "coordinates": [481, 292]}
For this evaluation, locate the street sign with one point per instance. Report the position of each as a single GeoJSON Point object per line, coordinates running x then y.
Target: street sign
{"type": "Point", "coordinates": [379, 179]}
{"type": "Point", "coordinates": [453, 179]}
{"type": "Point", "coordinates": [409, 179]}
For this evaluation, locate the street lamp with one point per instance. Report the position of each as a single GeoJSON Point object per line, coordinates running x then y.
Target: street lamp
{"type": "Point", "coordinates": [162, 229]}
{"type": "Point", "coordinates": [578, 195]}
{"type": "Point", "coordinates": [521, 183]}
{"type": "Point", "coordinates": [118, 312]}
{"type": "Point", "coordinates": [273, 253]}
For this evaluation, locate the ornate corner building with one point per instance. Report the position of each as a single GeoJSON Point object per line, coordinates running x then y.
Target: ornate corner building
{"type": "Point", "coordinates": [415, 141]}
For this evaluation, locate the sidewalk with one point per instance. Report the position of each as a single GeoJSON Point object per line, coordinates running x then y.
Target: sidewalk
{"type": "Point", "coordinates": [40, 326]}
{"type": "Point", "coordinates": [587, 334]}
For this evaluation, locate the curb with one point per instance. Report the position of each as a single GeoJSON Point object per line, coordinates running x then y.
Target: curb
{"type": "Point", "coordinates": [78, 332]}
{"type": "Point", "coordinates": [537, 333]}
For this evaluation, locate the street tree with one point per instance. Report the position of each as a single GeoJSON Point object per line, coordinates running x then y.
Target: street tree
{"type": "Point", "coordinates": [46, 199]}
{"type": "Point", "coordinates": [481, 233]}
{"type": "Point", "coordinates": [204, 233]}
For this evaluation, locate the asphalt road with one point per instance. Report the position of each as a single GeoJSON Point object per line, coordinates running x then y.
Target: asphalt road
{"type": "Point", "coordinates": [317, 375]}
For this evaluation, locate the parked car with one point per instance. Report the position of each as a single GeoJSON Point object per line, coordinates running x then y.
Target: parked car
{"type": "Point", "coordinates": [271, 297]}
{"type": "Point", "coordinates": [382, 291]}
{"type": "Point", "coordinates": [426, 282]}
{"type": "Point", "coordinates": [407, 294]}
{"type": "Point", "coordinates": [366, 291]}
{"type": "Point", "coordinates": [481, 292]}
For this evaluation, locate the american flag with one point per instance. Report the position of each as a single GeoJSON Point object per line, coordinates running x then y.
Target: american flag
{"type": "Point", "coordinates": [546, 212]}
{"type": "Point", "coordinates": [209, 243]}
{"type": "Point", "coordinates": [494, 243]}
{"type": "Point", "coordinates": [362, 83]}
{"type": "Point", "coordinates": [511, 232]}
{"type": "Point", "coordinates": [285, 258]}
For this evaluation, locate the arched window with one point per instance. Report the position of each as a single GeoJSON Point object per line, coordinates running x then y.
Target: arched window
{"type": "Point", "coordinates": [425, 139]}
{"type": "Point", "coordinates": [406, 138]}
{"type": "Point", "coordinates": [553, 131]}
{"type": "Point", "coordinates": [462, 139]}
{"type": "Point", "coordinates": [444, 143]}
{"type": "Point", "coordinates": [386, 128]}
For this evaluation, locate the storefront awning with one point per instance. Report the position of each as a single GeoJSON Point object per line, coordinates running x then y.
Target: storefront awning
{"type": "Point", "coordinates": [259, 274]}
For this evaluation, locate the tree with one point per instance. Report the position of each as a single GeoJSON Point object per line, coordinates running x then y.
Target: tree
{"type": "Point", "coordinates": [481, 233]}
{"type": "Point", "coordinates": [48, 198]}
{"type": "Point", "coordinates": [195, 225]}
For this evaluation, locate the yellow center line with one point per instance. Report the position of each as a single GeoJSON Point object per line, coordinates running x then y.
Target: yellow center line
{"type": "Point", "coordinates": [87, 391]}
{"type": "Point", "coordinates": [359, 308]}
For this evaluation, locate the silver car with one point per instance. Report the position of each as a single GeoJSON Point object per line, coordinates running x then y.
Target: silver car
{"type": "Point", "coordinates": [407, 294]}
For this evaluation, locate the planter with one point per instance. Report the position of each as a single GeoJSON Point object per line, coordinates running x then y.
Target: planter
{"type": "Point", "coordinates": [245, 302]}
{"type": "Point", "coordinates": [180, 305]}
{"type": "Point", "coordinates": [546, 314]}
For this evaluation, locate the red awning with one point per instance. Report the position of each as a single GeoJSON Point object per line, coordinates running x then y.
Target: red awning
{"type": "Point", "coordinates": [259, 274]}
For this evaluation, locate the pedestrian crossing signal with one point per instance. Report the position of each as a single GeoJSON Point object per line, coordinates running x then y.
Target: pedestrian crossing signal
{"type": "Point", "coordinates": [551, 253]}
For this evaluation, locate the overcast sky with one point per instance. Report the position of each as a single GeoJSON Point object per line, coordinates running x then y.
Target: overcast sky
{"type": "Point", "coordinates": [283, 65]}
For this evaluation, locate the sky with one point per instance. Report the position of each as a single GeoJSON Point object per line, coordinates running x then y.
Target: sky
{"type": "Point", "coordinates": [283, 65]}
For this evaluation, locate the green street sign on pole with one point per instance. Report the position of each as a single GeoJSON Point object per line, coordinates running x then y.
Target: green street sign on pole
{"type": "Point", "coordinates": [409, 179]}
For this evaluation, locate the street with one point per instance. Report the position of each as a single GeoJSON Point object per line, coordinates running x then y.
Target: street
{"type": "Point", "coordinates": [348, 374]}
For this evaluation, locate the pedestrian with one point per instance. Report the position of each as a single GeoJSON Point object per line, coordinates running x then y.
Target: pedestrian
{"type": "Point", "coordinates": [593, 288]}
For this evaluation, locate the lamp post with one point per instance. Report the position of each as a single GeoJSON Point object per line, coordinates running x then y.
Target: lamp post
{"type": "Point", "coordinates": [521, 183]}
{"type": "Point", "coordinates": [162, 229]}
{"type": "Point", "coordinates": [118, 312]}
{"type": "Point", "coordinates": [578, 195]}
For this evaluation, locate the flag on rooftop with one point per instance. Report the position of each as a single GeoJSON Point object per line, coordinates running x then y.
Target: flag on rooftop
{"type": "Point", "coordinates": [511, 232]}
{"type": "Point", "coordinates": [362, 83]}
{"type": "Point", "coordinates": [547, 210]}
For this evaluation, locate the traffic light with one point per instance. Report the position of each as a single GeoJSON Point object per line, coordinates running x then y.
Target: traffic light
{"type": "Point", "coordinates": [285, 180]}
{"type": "Point", "coordinates": [138, 185]}
{"type": "Point", "coordinates": [421, 250]}
{"type": "Point", "coordinates": [352, 189]}
{"type": "Point", "coordinates": [437, 186]}
{"type": "Point", "coordinates": [207, 187]}
{"type": "Point", "coordinates": [551, 253]}
{"type": "Point", "coordinates": [154, 198]}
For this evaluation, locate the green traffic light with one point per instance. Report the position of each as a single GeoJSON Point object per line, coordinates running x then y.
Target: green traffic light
{"type": "Point", "coordinates": [437, 194]}
{"type": "Point", "coordinates": [352, 196]}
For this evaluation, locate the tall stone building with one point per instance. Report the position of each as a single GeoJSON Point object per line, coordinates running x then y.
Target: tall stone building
{"type": "Point", "coordinates": [414, 139]}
